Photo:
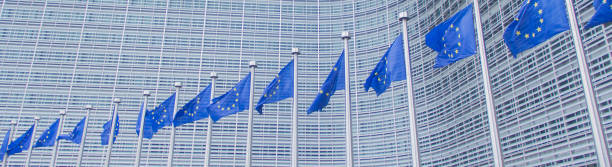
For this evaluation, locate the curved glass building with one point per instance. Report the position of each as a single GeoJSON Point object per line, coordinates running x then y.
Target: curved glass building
{"type": "Point", "coordinates": [64, 54]}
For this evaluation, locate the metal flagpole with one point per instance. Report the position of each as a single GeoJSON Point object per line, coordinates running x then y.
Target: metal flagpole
{"type": "Point", "coordinates": [84, 135]}
{"type": "Point", "coordinates": [414, 139]}
{"type": "Point", "coordinates": [178, 86]}
{"type": "Point", "coordinates": [146, 95]}
{"type": "Point", "coordinates": [249, 149]}
{"type": "Point", "coordinates": [294, 118]}
{"type": "Point", "coordinates": [13, 125]}
{"type": "Point", "coordinates": [30, 148]}
{"type": "Point", "coordinates": [59, 131]}
{"type": "Point", "coordinates": [498, 157]}
{"type": "Point", "coordinates": [599, 136]}
{"type": "Point", "coordinates": [347, 102]}
{"type": "Point", "coordinates": [213, 76]}
{"type": "Point", "coordinates": [112, 132]}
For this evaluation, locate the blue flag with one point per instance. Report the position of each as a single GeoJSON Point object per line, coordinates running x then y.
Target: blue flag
{"type": "Point", "coordinates": [195, 109]}
{"type": "Point", "coordinates": [48, 137]}
{"type": "Point", "coordinates": [148, 132]}
{"type": "Point", "coordinates": [4, 146]}
{"type": "Point", "coordinates": [76, 134]}
{"type": "Point", "coordinates": [391, 67]}
{"type": "Point", "coordinates": [107, 128]}
{"type": "Point", "coordinates": [603, 13]}
{"type": "Point", "coordinates": [279, 89]}
{"type": "Point", "coordinates": [22, 143]}
{"type": "Point", "coordinates": [536, 22]}
{"type": "Point", "coordinates": [159, 117]}
{"type": "Point", "coordinates": [233, 101]}
{"type": "Point", "coordinates": [334, 82]}
{"type": "Point", "coordinates": [453, 39]}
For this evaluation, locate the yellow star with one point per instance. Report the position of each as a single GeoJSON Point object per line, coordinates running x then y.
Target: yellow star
{"type": "Point", "coordinates": [526, 36]}
{"type": "Point", "coordinates": [219, 106]}
{"type": "Point", "coordinates": [532, 34]}
{"type": "Point", "coordinates": [604, 1]}
{"type": "Point", "coordinates": [185, 112]}
{"type": "Point", "coordinates": [516, 19]}
{"type": "Point", "coordinates": [457, 29]}
{"type": "Point", "coordinates": [452, 26]}
{"type": "Point", "coordinates": [528, 1]}
{"type": "Point", "coordinates": [459, 43]}
{"type": "Point", "coordinates": [451, 56]}
{"type": "Point", "coordinates": [320, 91]}
{"type": "Point", "coordinates": [164, 110]}
{"type": "Point", "coordinates": [459, 36]}
{"type": "Point", "coordinates": [236, 100]}
{"type": "Point", "coordinates": [335, 69]}
{"type": "Point", "coordinates": [233, 105]}
{"type": "Point", "coordinates": [265, 95]}
{"type": "Point", "coordinates": [443, 38]}
{"type": "Point", "coordinates": [237, 94]}
{"type": "Point", "coordinates": [379, 79]}
{"type": "Point", "coordinates": [376, 73]}
{"type": "Point", "coordinates": [535, 4]}
{"type": "Point", "coordinates": [234, 89]}
{"type": "Point", "coordinates": [541, 20]}
{"type": "Point", "coordinates": [539, 29]}
{"type": "Point", "coordinates": [456, 51]}
{"type": "Point", "coordinates": [518, 33]}
{"type": "Point", "coordinates": [223, 109]}
{"type": "Point", "coordinates": [540, 11]}
{"type": "Point", "coordinates": [444, 45]}
{"type": "Point", "coordinates": [273, 92]}
{"type": "Point", "coordinates": [326, 94]}
{"type": "Point", "coordinates": [445, 52]}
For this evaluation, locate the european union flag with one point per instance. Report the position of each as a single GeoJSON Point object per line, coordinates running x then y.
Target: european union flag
{"type": "Point", "coordinates": [159, 117]}
{"type": "Point", "coordinates": [107, 128]}
{"type": "Point", "coordinates": [4, 146]}
{"type": "Point", "coordinates": [279, 89]}
{"type": "Point", "coordinates": [148, 132]}
{"type": "Point", "coordinates": [453, 39]}
{"type": "Point", "coordinates": [233, 101]}
{"type": "Point", "coordinates": [603, 13]}
{"type": "Point", "coordinates": [195, 109]}
{"type": "Point", "coordinates": [76, 134]}
{"type": "Point", "coordinates": [391, 67]}
{"type": "Point", "coordinates": [536, 22]}
{"type": "Point", "coordinates": [48, 137]}
{"type": "Point", "coordinates": [22, 143]}
{"type": "Point", "coordinates": [334, 82]}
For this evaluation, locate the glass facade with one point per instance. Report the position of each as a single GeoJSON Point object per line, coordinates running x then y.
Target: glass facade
{"type": "Point", "coordinates": [63, 54]}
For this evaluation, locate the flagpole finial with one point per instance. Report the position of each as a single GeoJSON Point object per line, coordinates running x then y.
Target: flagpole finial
{"type": "Point", "coordinates": [13, 122]}
{"type": "Point", "coordinates": [402, 15]}
{"type": "Point", "coordinates": [62, 112]}
{"type": "Point", "coordinates": [36, 118]}
{"type": "Point", "coordinates": [146, 93]}
{"type": "Point", "coordinates": [253, 64]}
{"type": "Point", "coordinates": [295, 51]}
{"type": "Point", "coordinates": [346, 35]}
{"type": "Point", "coordinates": [117, 100]}
{"type": "Point", "coordinates": [89, 107]}
{"type": "Point", "coordinates": [178, 84]}
{"type": "Point", "coordinates": [213, 75]}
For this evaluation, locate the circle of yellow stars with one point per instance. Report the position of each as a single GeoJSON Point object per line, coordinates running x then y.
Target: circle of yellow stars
{"type": "Point", "coordinates": [538, 29]}
{"type": "Point", "coordinates": [277, 87]}
{"type": "Point", "coordinates": [327, 93]}
{"type": "Point", "coordinates": [456, 51]}
{"type": "Point", "coordinates": [233, 105]}
{"type": "Point", "coordinates": [384, 80]}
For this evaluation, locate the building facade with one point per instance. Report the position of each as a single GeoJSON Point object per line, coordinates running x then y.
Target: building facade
{"type": "Point", "coordinates": [64, 54]}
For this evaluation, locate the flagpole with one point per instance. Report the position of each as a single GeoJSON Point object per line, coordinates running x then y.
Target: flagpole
{"type": "Point", "coordinates": [347, 102]}
{"type": "Point", "coordinates": [294, 118]}
{"type": "Point", "coordinates": [84, 135]}
{"type": "Point", "coordinates": [213, 76]}
{"type": "Point", "coordinates": [36, 119]}
{"type": "Point", "coordinates": [249, 149]}
{"type": "Point", "coordinates": [178, 86]}
{"type": "Point", "coordinates": [498, 157]}
{"type": "Point", "coordinates": [59, 131]}
{"type": "Point", "coordinates": [601, 145]}
{"type": "Point", "coordinates": [414, 139]}
{"type": "Point", "coordinates": [112, 132]}
{"type": "Point", "coordinates": [13, 125]}
{"type": "Point", "coordinates": [146, 95]}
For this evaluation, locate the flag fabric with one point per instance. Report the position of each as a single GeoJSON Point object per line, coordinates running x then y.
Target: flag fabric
{"type": "Point", "coordinates": [603, 13]}
{"type": "Point", "coordinates": [148, 132]}
{"type": "Point", "coordinates": [76, 134]}
{"type": "Point", "coordinates": [107, 128]}
{"type": "Point", "coordinates": [48, 137]}
{"type": "Point", "coordinates": [334, 82]}
{"type": "Point", "coordinates": [453, 39]}
{"type": "Point", "coordinates": [22, 143]}
{"type": "Point", "coordinates": [233, 101]}
{"type": "Point", "coordinates": [4, 146]}
{"type": "Point", "coordinates": [158, 118]}
{"type": "Point", "coordinates": [279, 89]}
{"type": "Point", "coordinates": [536, 22]}
{"type": "Point", "coordinates": [391, 67]}
{"type": "Point", "coordinates": [195, 109]}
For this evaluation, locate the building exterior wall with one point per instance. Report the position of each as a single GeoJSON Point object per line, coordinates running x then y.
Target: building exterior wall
{"type": "Point", "coordinates": [61, 54]}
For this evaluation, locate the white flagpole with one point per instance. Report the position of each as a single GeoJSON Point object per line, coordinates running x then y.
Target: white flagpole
{"type": "Point", "coordinates": [13, 124]}
{"type": "Point", "coordinates": [112, 132]}
{"type": "Point", "coordinates": [498, 157]}
{"type": "Point", "coordinates": [601, 145]}
{"type": "Point", "coordinates": [294, 118]}
{"type": "Point", "coordinates": [59, 131]}
{"type": "Point", "coordinates": [36, 119]}
{"type": "Point", "coordinates": [249, 149]}
{"type": "Point", "coordinates": [178, 86]}
{"type": "Point", "coordinates": [347, 102]}
{"type": "Point", "coordinates": [414, 139]}
{"type": "Point", "coordinates": [84, 135]}
{"type": "Point", "coordinates": [146, 95]}
{"type": "Point", "coordinates": [213, 76]}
